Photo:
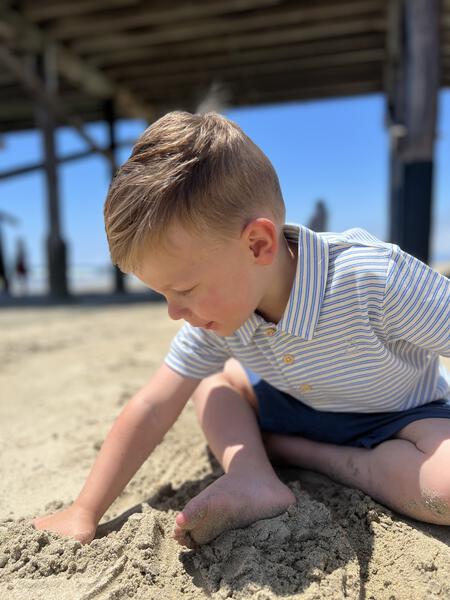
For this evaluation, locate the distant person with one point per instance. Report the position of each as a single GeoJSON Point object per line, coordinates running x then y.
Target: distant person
{"type": "Point", "coordinates": [321, 351]}
{"type": "Point", "coordinates": [20, 267]}
{"type": "Point", "coordinates": [4, 283]}
{"type": "Point", "coordinates": [319, 220]}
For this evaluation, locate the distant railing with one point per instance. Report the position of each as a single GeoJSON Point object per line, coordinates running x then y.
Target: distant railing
{"type": "Point", "coordinates": [82, 278]}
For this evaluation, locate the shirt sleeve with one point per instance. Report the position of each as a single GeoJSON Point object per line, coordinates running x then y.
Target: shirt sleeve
{"type": "Point", "coordinates": [417, 303]}
{"type": "Point", "coordinates": [197, 353]}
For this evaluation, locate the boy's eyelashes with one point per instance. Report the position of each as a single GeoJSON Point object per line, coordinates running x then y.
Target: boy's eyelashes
{"type": "Point", "coordinates": [184, 292]}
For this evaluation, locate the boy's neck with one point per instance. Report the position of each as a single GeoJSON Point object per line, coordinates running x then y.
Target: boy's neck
{"type": "Point", "coordinates": [274, 302]}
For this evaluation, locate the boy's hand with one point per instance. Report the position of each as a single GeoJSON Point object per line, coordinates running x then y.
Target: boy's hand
{"type": "Point", "coordinates": [75, 522]}
{"type": "Point", "coordinates": [138, 429]}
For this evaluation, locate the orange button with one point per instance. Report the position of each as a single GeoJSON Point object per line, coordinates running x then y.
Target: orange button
{"type": "Point", "coordinates": [305, 387]}
{"type": "Point", "coordinates": [288, 359]}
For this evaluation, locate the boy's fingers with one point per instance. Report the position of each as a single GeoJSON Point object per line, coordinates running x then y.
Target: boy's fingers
{"type": "Point", "coordinates": [35, 523]}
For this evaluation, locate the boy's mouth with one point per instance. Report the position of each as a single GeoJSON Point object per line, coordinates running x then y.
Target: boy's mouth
{"type": "Point", "coordinates": [210, 325]}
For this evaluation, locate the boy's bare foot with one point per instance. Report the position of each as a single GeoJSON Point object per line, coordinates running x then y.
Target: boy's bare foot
{"type": "Point", "coordinates": [75, 522]}
{"type": "Point", "coordinates": [231, 501]}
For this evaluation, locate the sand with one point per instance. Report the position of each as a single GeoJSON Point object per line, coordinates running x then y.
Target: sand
{"type": "Point", "coordinates": [65, 373]}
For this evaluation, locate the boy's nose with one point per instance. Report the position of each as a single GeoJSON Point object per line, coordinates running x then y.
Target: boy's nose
{"type": "Point", "coordinates": [177, 312]}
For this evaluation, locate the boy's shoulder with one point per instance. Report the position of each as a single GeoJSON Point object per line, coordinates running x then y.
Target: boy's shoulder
{"type": "Point", "coordinates": [358, 254]}
{"type": "Point", "coordinates": [356, 236]}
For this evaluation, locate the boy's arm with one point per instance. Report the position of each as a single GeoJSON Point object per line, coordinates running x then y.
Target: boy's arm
{"type": "Point", "coordinates": [417, 304]}
{"type": "Point", "coordinates": [139, 428]}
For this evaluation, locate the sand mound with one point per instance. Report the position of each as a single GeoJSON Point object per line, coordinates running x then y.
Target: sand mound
{"type": "Point", "coordinates": [301, 550]}
{"type": "Point", "coordinates": [352, 548]}
{"type": "Point", "coordinates": [335, 543]}
{"type": "Point", "coordinates": [124, 564]}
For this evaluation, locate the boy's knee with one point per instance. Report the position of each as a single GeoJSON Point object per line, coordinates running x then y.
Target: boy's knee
{"type": "Point", "coordinates": [437, 502]}
{"type": "Point", "coordinates": [435, 484]}
{"type": "Point", "coordinates": [207, 385]}
{"type": "Point", "coordinates": [234, 377]}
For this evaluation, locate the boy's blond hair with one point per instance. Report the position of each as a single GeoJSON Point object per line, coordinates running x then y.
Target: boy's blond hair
{"type": "Point", "coordinates": [198, 170]}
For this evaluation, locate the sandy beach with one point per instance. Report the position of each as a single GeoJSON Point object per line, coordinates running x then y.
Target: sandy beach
{"type": "Point", "coordinates": [65, 373]}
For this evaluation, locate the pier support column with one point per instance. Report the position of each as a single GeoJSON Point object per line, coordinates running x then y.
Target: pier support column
{"type": "Point", "coordinates": [110, 118]}
{"type": "Point", "coordinates": [412, 83]}
{"type": "Point", "coordinates": [55, 245]}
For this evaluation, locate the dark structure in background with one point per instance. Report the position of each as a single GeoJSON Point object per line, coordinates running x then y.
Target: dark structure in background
{"type": "Point", "coordinates": [21, 265]}
{"type": "Point", "coordinates": [414, 79]}
{"type": "Point", "coordinates": [319, 218]}
{"type": "Point", "coordinates": [4, 280]}
{"type": "Point", "coordinates": [5, 218]}
{"type": "Point", "coordinates": [76, 61]}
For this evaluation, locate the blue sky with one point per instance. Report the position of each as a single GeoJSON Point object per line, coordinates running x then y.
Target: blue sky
{"type": "Point", "coordinates": [335, 149]}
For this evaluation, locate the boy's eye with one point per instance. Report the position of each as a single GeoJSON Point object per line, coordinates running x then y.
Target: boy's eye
{"type": "Point", "coordinates": [185, 292]}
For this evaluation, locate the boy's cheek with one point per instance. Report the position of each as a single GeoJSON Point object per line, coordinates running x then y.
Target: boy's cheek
{"type": "Point", "coordinates": [212, 300]}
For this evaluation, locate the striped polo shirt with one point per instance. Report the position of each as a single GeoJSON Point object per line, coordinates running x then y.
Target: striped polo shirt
{"type": "Point", "coordinates": [362, 330]}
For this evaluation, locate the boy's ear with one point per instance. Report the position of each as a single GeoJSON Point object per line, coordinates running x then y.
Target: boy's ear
{"type": "Point", "coordinates": [261, 238]}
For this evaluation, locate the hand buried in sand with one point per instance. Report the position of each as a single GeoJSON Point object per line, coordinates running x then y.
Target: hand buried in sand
{"type": "Point", "coordinates": [75, 522]}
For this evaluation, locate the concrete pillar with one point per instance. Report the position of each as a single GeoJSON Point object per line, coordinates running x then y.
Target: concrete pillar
{"type": "Point", "coordinates": [110, 118]}
{"type": "Point", "coordinates": [55, 245]}
{"type": "Point", "coordinates": [412, 83]}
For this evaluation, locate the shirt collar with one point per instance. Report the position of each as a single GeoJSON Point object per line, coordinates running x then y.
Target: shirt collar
{"type": "Point", "coordinates": [303, 308]}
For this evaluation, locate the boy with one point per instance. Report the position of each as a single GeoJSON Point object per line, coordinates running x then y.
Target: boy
{"type": "Point", "coordinates": [343, 330]}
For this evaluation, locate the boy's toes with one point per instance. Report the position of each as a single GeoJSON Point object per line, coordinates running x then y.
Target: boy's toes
{"type": "Point", "coordinates": [190, 516]}
{"type": "Point", "coordinates": [187, 521]}
{"type": "Point", "coordinates": [184, 539]}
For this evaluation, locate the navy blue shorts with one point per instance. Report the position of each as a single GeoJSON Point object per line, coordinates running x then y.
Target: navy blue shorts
{"type": "Point", "coordinates": [281, 413]}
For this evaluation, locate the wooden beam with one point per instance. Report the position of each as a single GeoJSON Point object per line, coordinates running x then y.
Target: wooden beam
{"type": "Point", "coordinates": [26, 123]}
{"type": "Point", "coordinates": [6, 80]}
{"type": "Point", "coordinates": [254, 97]}
{"type": "Point", "coordinates": [232, 44]}
{"type": "Point", "coordinates": [22, 109]}
{"type": "Point", "coordinates": [199, 14]}
{"type": "Point", "coordinates": [233, 71]}
{"type": "Point", "coordinates": [71, 67]}
{"type": "Point", "coordinates": [13, 98]}
{"type": "Point", "coordinates": [326, 76]}
{"type": "Point", "coordinates": [43, 11]}
{"type": "Point", "coordinates": [39, 93]}
{"type": "Point", "coordinates": [241, 95]}
{"type": "Point", "coordinates": [314, 51]}
{"type": "Point", "coordinates": [38, 166]}
{"type": "Point", "coordinates": [161, 55]}
{"type": "Point", "coordinates": [8, 92]}
{"type": "Point", "coordinates": [151, 16]}
{"type": "Point", "coordinates": [211, 32]}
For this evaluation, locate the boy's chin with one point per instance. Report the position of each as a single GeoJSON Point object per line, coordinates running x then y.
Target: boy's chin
{"type": "Point", "coordinates": [224, 331]}
{"type": "Point", "coordinates": [221, 329]}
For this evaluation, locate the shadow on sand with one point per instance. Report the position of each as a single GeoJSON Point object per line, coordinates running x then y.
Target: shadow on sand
{"type": "Point", "coordinates": [318, 550]}
{"type": "Point", "coordinates": [350, 511]}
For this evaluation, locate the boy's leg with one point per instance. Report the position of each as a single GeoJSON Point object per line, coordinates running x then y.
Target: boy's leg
{"type": "Point", "coordinates": [249, 490]}
{"type": "Point", "coordinates": [409, 474]}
